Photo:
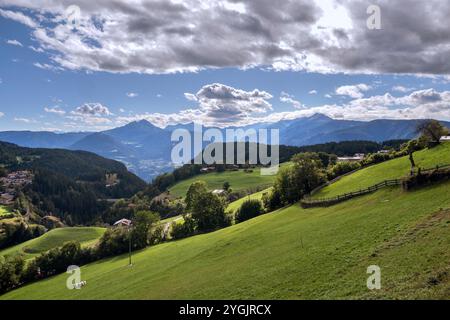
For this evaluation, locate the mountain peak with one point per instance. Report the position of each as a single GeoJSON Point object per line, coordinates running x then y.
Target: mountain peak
{"type": "Point", "coordinates": [319, 116]}
{"type": "Point", "coordinates": [141, 123]}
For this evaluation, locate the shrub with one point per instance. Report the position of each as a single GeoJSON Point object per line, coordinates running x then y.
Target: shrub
{"type": "Point", "coordinates": [10, 272]}
{"type": "Point", "coordinates": [341, 168]}
{"type": "Point", "coordinates": [183, 230]}
{"type": "Point", "coordinates": [113, 242]}
{"type": "Point", "coordinates": [272, 200]}
{"type": "Point", "coordinates": [249, 209]}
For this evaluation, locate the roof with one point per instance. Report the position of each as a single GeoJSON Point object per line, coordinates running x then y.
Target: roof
{"type": "Point", "coordinates": [123, 222]}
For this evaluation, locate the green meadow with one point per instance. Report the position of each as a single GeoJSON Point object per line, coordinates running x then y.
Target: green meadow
{"type": "Point", "coordinates": [238, 180]}
{"type": "Point", "coordinates": [55, 238]}
{"type": "Point", "coordinates": [393, 169]}
{"type": "Point", "coordinates": [292, 253]}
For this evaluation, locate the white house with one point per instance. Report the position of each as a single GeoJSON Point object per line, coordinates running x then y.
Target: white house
{"type": "Point", "coordinates": [355, 158]}
{"type": "Point", "coordinates": [445, 138]}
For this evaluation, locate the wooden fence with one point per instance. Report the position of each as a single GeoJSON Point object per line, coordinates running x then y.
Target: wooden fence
{"type": "Point", "coordinates": [326, 202]}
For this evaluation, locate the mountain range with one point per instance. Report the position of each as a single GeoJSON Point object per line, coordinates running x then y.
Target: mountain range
{"type": "Point", "coordinates": [146, 149]}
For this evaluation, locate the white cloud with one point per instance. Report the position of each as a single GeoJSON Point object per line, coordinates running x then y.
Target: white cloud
{"type": "Point", "coordinates": [46, 66]}
{"type": "Point", "coordinates": [38, 49]}
{"type": "Point", "coordinates": [1, 114]}
{"type": "Point", "coordinates": [92, 109]}
{"type": "Point", "coordinates": [402, 89]}
{"type": "Point", "coordinates": [218, 105]}
{"type": "Point", "coordinates": [420, 104]}
{"type": "Point", "coordinates": [313, 92]}
{"type": "Point", "coordinates": [14, 42]}
{"type": "Point", "coordinates": [121, 110]}
{"type": "Point", "coordinates": [19, 17]}
{"type": "Point", "coordinates": [176, 36]}
{"type": "Point", "coordinates": [26, 120]}
{"type": "Point", "coordinates": [190, 96]}
{"type": "Point", "coordinates": [132, 94]}
{"type": "Point", "coordinates": [287, 98]}
{"type": "Point", "coordinates": [55, 110]}
{"type": "Point", "coordinates": [353, 91]}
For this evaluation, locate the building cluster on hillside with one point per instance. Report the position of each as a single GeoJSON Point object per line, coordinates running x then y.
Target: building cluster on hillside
{"type": "Point", "coordinates": [13, 182]}
{"type": "Point", "coordinates": [355, 158]}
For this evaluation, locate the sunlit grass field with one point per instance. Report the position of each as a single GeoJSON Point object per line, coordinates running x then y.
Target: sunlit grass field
{"type": "Point", "coordinates": [393, 169]}
{"type": "Point", "coordinates": [55, 238]}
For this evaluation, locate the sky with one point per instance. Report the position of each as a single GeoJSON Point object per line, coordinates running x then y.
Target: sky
{"type": "Point", "coordinates": [83, 65]}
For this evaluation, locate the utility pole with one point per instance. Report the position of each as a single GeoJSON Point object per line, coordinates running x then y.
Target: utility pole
{"type": "Point", "coordinates": [126, 223]}
{"type": "Point", "coordinates": [129, 245]}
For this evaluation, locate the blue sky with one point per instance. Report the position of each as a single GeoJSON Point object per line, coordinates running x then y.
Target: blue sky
{"type": "Point", "coordinates": [44, 87]}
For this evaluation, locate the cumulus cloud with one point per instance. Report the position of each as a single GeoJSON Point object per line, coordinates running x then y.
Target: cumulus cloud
{"type": "Point", "coordinates": [55, 110]}
{"type": "Point", "coordinates": [353, 91]}
{"type": "Point", "coordinates": [217, 105]}
{"type": "Point", "coordinates": [313, 92]}
{"type": "Point", "coordinates": [132, 94]}
{"type": "Point", "coordinates": [159, 36]}
{"type": "Point", "coordinates": [420, 104]}
{"type": "Point", "coordinates": [402, 89]}
{"type": "Point", "coordinates": [287, 98]}
{"type": "Point", "coordinates": [1, 114]}
{"type": "Point", "coordinates": [92, 109]}
{"type": "Point", "coordinates": [14, 42]}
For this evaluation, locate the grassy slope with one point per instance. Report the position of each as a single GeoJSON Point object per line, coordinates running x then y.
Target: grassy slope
{"type": "Point", "coordinates": [393, 169]}
{"type": "Point", "coordinates": [292, 253]}
{"type": "Point", "coordinates": [54, 238]}
{"type": "Point", "coordinates": [239, 180]}
{"type": "Point", "coordinates": [4, 210]}
{"type": "Point", "coordinates": [233, 206]}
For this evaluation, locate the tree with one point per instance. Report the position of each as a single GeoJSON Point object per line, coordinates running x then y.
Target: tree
{"type": "Point", "coordinates": [142, 222]}
{"type": "Point", "coordinates": [250, 208]}
{"type": "Point", "coordinates": [411, 147]}
{"type": "Point", "coordinates": [305, 174]}
{"type": "Point", "coordinates": [183, 230]}
{"type": "Point", "coordinates": [195, 189]}
{"type": "Point", "coordinates": [433, 130]}
{"type": "Point", "coordinates": [226, 186]}
{"type": "Point", "coordinates": [308, 172]}
{"type": "Point", "coordinates": [208, 211]}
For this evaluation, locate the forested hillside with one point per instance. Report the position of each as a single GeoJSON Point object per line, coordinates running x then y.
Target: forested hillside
{"type": "Point", "coordinates": [69, 184]}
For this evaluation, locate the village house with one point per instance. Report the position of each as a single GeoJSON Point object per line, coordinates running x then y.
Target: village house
{"type": "Point", "coordinates": [445, 138]}
{"type": "Point", "coordinates": [11, 183]}
{"type": "Point", "coordinates": [207, 169]}
{"type": "Point", "coordinates": [219, 192]}
{"type": "Point", "coordinates": [355, 158]}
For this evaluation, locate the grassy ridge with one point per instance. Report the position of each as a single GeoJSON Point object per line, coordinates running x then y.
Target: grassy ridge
{"type": "Point", "coordinates": [239, 180]}
{"type": "Point", "coordinates": [55, 238]}
{"type": "Point", "coordinates": [393, 169]}
{"type": "Point", "coordinates": [292, 253]}
{"type": "Point", "coordinates": [233, 206]}
{"type": "Point", "coordinates": [4, 210]}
